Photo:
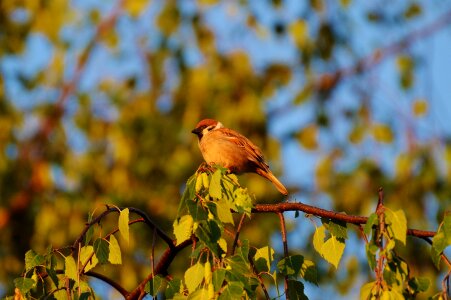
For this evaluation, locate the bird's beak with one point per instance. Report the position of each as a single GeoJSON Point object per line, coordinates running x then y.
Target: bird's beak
{"type": "Point", "coordinates": [197, 131]}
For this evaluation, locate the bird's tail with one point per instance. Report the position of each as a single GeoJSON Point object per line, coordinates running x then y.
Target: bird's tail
{"type": "Point", "coordinates": [270, 176]}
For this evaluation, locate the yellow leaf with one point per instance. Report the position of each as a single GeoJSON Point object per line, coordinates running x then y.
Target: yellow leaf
{"type": "Point", "coordinates": [382, 133]}
{"type": "Point", "coordinates": [135, 7]}
{"type": "Point", "coordinates": [357, 134]}
{"type": "Point", "coordinates": [403, 166]}
{"type": "Point", "coordinates": [308, 137]}
{"type": "Point", "coordinates": [183, 228]}
{"type": "Point", "coordinates": [419, 107]}
{"type": "Point", "coordinates": [299, 32]}
{"type": "Point", "coordinates": [87, 255]}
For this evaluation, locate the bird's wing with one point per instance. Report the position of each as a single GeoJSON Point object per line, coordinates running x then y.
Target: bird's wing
{"type": "Point", "coordinates": [255, 154]}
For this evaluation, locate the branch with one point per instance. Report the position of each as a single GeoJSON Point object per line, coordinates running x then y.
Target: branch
{"type": "Point", "coordinates": [283, 229]}
{"type": "Point", "coordinates": [324, 213]}
{"type": "Point", "coordinates": [106, 279]}
{"type": "Point", "coordinates": [139, 212]}
{"type": "Point", "coordinates": [162, 267]}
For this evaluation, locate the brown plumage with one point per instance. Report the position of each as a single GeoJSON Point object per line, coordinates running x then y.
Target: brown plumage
{"type": "Point", "coordinates": [228, 148]}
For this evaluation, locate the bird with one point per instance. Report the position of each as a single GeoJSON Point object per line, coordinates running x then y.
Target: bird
{"type": "Point", "coordinates": [225, 147]}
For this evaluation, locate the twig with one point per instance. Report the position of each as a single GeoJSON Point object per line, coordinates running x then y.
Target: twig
{"type": "Point", "coordinates": [285, 247]}
{"type": "Point", "coordinates": [357, 220]}
{"type": "Point", "coordinates": [108, 280]}
{"type": "Point", "coordinates": [161, 268]}
{"type": "Point", "coordinates": [235, 240]}
{"type": "Point", "coordinates": [139, 212]}
{"type": "Point", "coordinates": [380, 239]}
{"type": "Point", "coordinates": [260, 279]}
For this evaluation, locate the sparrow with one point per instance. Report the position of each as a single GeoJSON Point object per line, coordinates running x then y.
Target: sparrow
{"type": "Point", "coordinates": [228, 148]}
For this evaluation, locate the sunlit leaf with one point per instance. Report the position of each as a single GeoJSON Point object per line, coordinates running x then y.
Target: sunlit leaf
{"type": "Point", "coordinates": [32, 259]}
{"type": "Point", "coordinates": [123, 224]}
{"type": "Point", "coordinates": [70, 268]}
{"type": "Point", "coordinates": [382, 133]}
{"type": "Point", "coordinates": [397, 221]}
{"type": "Point", "coordinates": [224, 213]}
{"type": "Point", "coordinates": [263, 258]}
{"type": "Point", "coordinates": [215, 185]}
{"type": "Point", "coordinates": [194, 276]}
{"type": "Point", "coordinates": [88, 257]}
{"type": "Point", "coordinates": [332, 250]}
{"type": "Point", "coordinates": [365, 290]}
{"type": "Point", "coordinates": [183, 228]}
{"type": "Point", "coordinates": [299, 32]}
{"type": "Point", "coordinates": [308, 137]}
{"type": "Point", "coordinates": [114, 255]}
{"type": "Point", "coordinates": [135, 7]}
{"type": "Point", "coordinates": [318, 238]}
{"type": "Point", "coordinates": [24, 284]}
{"type": "Point", "coordinates": [419, 107]}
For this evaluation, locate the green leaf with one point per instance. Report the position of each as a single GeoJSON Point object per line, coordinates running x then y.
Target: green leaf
{"type": "Point", "coordinates": [102, 250]}
{"type": "Point", "coordinates": [32, 259]}
{"type": "Point", "coordinates": [318, 238]}
{"type": "Point", "coordinates": [372, 220]}
{"type": "Point", "coordinates": [89, 234]}
{"type": "Point", "coordinates": [446, 227]}
{"type": "Point", "coordinates": [398, 223]}
{"type": "Point", "coordinates": [194, 276]}
{"type": "Point", "coordinates": [188, 194]}
{"type": "Point", "coordinates": [24, 284]}
{"type": "Point", "coordinates": [338, 229]}
{"type": "Point", "coordinates": [209, 233]}
{"type": "Point", "coordinates": [183, 228]}
{"type": "Point", "coordinates": [123, 224]}
{"type": "Point", "coordinates": [201, 294]}
{"type": "Point", "coordinates": [224, 213]}
{"type": "Point", "coordinates": [309, 271]}
{"type": "Point", "coordinates": [392, 295]}
{"type": "Point", "coordinates": [419, 284]}
{"type": "Point", "coordinates": [291, 265]}
{"type": "Point", "coordinates": [215, 185]}
{"type": "Point", "coordinates": [52, 275]}
{"type": "Point", "coordinates": [263, 259]}
{"type": "Point", "coordinates": [154, 285]}
{"type": "Point", "coordinates": [173, 288]}
{"type": "Point", "coordinates": [243, 201]}
{"type": "Point", "coordinates": [371, 250]}
{"type": "Point", "coordinates": [218, 278]}
{"type": "Point", "coordinates": [332, 250]}
{"type": "Point", "coordinates": [365, 291]}
{"type": "Point", "coordinates": [70, 268]}
{"type": "Point", "coordinates": [436, 257]}
{"type": "Point", "coordinates": [86, 253]}
{"type": "Point", "coordinates": [233, 290]}
{"type": "Point", "coordinates": [296, 290]}
{"type": "Point", "coordinates": [196, 210]}
{"type": "Point", "coordinates": [114, 255]}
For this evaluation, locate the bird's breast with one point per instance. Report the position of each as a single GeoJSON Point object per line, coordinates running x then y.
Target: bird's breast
{"type": "Point", "coordinates": [222, 151]}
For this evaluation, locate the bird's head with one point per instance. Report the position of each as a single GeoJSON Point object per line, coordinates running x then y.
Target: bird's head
{"type": "Point", "coordinates": [205, 126]}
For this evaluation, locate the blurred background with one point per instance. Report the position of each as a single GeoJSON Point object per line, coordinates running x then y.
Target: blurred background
{"type": "Point", "coordinates": [98, 100]}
